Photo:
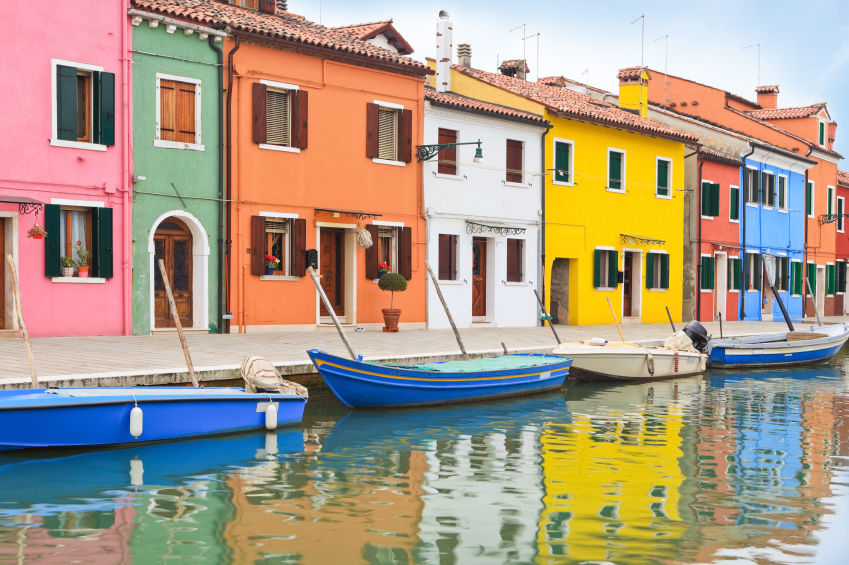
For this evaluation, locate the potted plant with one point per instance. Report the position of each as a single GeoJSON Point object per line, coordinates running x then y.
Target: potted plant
{"type": "Point", "coordinates": [382, 269]}
{"type": "Point", "coordinates": [82, 264]}
{"type": "Point", "coordinates": [270, 264]}
{"type": "Point", "coordinates": [67, 265]}
{"type": "Point", "coordinates": [36, 232]}
{"type": "Point", "coordinates": [393, 282]}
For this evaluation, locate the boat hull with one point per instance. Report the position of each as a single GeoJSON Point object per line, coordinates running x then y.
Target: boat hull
{"type": "Point", "coordinates": [749, 354]}
{"type": "Point", "coordinates": [361, 384]}
{"type": "Point", "coordinates": [38, 419]}
{"type": "Point", "coordinates": [592, 363]}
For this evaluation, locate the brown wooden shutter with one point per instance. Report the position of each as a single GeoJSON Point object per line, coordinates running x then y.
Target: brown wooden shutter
{"type": "Point", "coordinates": [300, 123]}
{"type": "Point", "coordinates": [514, 161]}
{"type": "Point", "coordinates": [452, 262]}
{"type": "Point", "coordinates": [405, 136]}
{"type": "Point", "coordinates": [258, 245]}
{"type": "Point", "coordinates": [444, 257]}
{"type": "Point", "coordinates": [520, 248]}
{"type": "Point", "coordinates": [185, 112]}
{"type": "Point", "coordinates": [372, 254]}
{"type": "Point", "coordinates": [512, 260]}
{"type": "Point", "coordinates": [405, 252]}
{"type": "Point", "coordinates": [372, 126]}
{"type": "Point", "coordinates": [167, 110]}
{"type": "Point", "coordinates": [449, 154]}
{"type": "Point", "coordinates": [299, 247]}
{"type": "Point", "coordinates": [259, 110]}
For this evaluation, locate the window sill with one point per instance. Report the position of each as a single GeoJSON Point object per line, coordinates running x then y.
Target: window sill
{"type": "Point", "coordinates": [516, 184]}
{"type": "Point", "coordinates": [605, 289]}
{"type": "Point", "coordinates": [752, 204]}
{"type": "Point", "coordinates": [165, 144]}
{"type": "Point", "coordinates": [734, 291]}
{"type": "Point", "coordinates": [707, 218]}
{"type": "Point", "coordinates": [617, 190]}
{"type": "Point", "coordinates": [663, 196]}
{"type": "Point", "coordinates": [658, 290]}
{"type": "Point", "coordinates": [84, 280]}
{"type": "Point", "coordinates": [388, 162]}
{"type": "Point", "coordinates": [509, 283]}
{"type": "Point", "coordinates": [734, 221]}
{"type": "Point", "coordinates": [706, 290]}
{"type": "Point", "coordinates": [279, 148]}
{"type": "Point", "coordinates": [77, 145]}
{"type": "Point", "coordinates": [562, 183]}
{"type": "Point", "coordinates": [447, 177]}
{"type": "Point", "coordinates": [449, 282]}
{"type": "Point", "coordinates": [753, 290]}
{"type": "Point", "coordinates": [278, 278]}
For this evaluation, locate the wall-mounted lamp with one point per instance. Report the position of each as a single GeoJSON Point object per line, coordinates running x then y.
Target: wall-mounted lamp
{"type": "Point", "coordinates": [138, 178]}
{"type": "Point", "coordinates": [428, 152]}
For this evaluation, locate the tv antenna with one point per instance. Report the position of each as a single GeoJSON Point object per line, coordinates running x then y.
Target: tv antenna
{"type": "Point", "coordinates": [665, 66]}
{"type": "Point", "coordinates": [758, 45]}
{"type": "Point", "coordinates": [537, 36]}
{"type": "Point", "coordinates": [524, 57]}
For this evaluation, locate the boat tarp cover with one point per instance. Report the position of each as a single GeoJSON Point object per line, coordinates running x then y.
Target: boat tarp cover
{"type": "Point", "coordinates": [501, 363]}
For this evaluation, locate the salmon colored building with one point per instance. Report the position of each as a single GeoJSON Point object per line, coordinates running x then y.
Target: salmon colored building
{"type": "Point", "coordinates": [841, 305]}
{"type": "Point", "coordinates": [321, 130]}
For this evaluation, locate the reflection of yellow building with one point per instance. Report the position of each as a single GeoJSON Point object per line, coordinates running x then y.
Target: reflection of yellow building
{"type": "Point", "coordinates": [612, 489]}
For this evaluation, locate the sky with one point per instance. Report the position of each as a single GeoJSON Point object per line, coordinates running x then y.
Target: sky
{"type": "Point", "coordinates": [804, 46]}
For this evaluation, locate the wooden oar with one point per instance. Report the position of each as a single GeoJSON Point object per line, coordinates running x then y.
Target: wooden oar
{"type": "Point", "coordinates": [314, 276]}
{"type": "Point", "coordinates": [622, 337]}
{"type": "Point", "coordinates": [444, 305]}
{"type": "Point", "coordinates": [21, 323]}
{"type": "Point", "coordinates": [177, 323]}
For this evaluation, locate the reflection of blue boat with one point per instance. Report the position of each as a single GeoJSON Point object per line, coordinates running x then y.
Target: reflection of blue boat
{"type": "Point", "coordinates": [364, 384]}
{"type": "Point", "coordinates": [771, 350]}
{"type": "Point", "coordinates": [106, 416]}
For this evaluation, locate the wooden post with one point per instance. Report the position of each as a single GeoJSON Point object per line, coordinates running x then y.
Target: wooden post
{"type": "Point", "coordinates": [178, 324]}
{"type": "Point", "coordinates": [668, 315]}
{"type": "Point", "coordinates": [505, 348]}
{"type": "Point", "coordinates": [814, 300]}
{"type": "Point", "coordinates": [622, 337]}
{"type": "Point", "coordinates": [21, 323]}
{"type": "Point", "coordinates": [327, 305]}
{"type": "Point", "coordinates": [550, 325]}
{"type": "Point", "coordinates": [444, 305]}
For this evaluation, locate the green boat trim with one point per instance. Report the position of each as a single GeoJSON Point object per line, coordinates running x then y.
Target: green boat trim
{"type": "Point", "coordinates": [499, 363]}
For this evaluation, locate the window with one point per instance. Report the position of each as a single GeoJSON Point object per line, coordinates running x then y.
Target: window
{"type": "Point", "coordinates": [514, 161]}
{"type": "Point", "coordinates": [735, 273]}
{"type": "Point", "coordinates": [252, 4]}
{"type": "Point", "coordinates": [841, 276]}
{"type": "Point", "coordinates": [447, 157]}
{"type": "Point", "coordinates": [280, 113]}
{"type": "Point", "coordinates": [71, 229]}
{"type": "Point", "coordinates": [616, 170]}
{"type": "Point", "coordinates": [278, 243]}
{"type": "Point", "coordinates": [606, 268]}
{"type": "Point", "coordinates": [830, 203]}
{"type": "Point", "coordinates": [515, 260]}
{"type": "Point", "coordinates": [809, 199]}
{"type": "Point", "coordinates": [657, 270]}
{"type": "Point", "coordinates": [841, 207]}
{"type": "Point", "coordinates": [830, 279]}
{"type": "Point", "coordinates": [283, 237]}
{"type": "Point", "coordinates": [754, 271]}
{"type": "Point", "coordinates": [707, 273]}
{"type": "Point", "coordinates": [84, 106]}
{"type": "Point", "coordinates": [563, 155]}
{"type": "Point", "coordinates": [782, 273]}
{"type": "Point", "coordinates": [822, 133]}
{"type": "Point", "coordinates": [768, 189]}
{"type": "Point", "coordinates": [178, 113]}
{"type": "Point", "coordinates": [386, 250]}
{"type": "Point", "coordinates": [734, 204]}
{"type": "Point", "coordinates": [447, 257]}
{"type": "Point", "coordinates": [812, 279]}
{"type": "Point", "coordinates": [751, 188]}
{"type": "Point", "coordinates": [664, 174]}
{"type": "Point", "coordinates": [782, 193]}
{"type": "Point", "coordinates": [710, 199]}
{"type": "Point", "coordinates": [796, 283]}
{"type": "Point", "coordinates": [74, 232]}
{"type": "Point", "coordinates": [389, 133]}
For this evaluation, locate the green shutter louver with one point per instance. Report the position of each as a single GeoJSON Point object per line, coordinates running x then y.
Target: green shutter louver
{"type": "Point", "coordinates": [664, 270]}
{"type": "Point", "coordinates": [561, 161]}
{"type": "Point", "coordinates": [822, 133]}
{"type": "Point", "coordinates": [770, 190]}
{"type": "Point", "coordinates": [101, 245]}
{"type": "Point", "coordinates": [734, 203]}
{"type": "Point", "coordinates": [745, 172]}
{"type": "Point", "coordinates": [841, 276]}
{"type": "Point", "coordinates": [812, 278]}
{"type": "Point", "coordinates": [66, 104]}
{"type": "Point", "coordinates": [809, 204]}
{"type": "Point", "coordinates": [830, 199]}
{"type": "Point", "coordinates": [615, 166]}
{"type": "Point", "coordinates": [613, 269]}
{"type": "Point", "coordinates": [52, 241]}
{"type": "Point", "coordinates": [597, 268]}
{"type": "Point", "coordinates": [714, 200]}
{"type": "Point", "coordinates": [738, 274]}
{"type": "Point", "coordinates": [650, 270]}
{"type": "Point", "coordinates": [706, 198]}
{"type": "Point", "coordinates": [756, 187]}
{"type": "Point", "coordinates": [830, 283]}
{"type": "Point", "coordinates": [757, 272]}
{"type": "Point", "coordinates": [662, 177]}
{"type": "Point", "coordinates": [104, 109]}
{"type": "Point", "coordinates": [797, 278]}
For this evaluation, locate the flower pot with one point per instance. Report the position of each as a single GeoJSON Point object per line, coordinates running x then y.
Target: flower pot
{"type": "Point", "coordinates": [381, 273]}
{"type": "Point", "coordinates": [269, 270]}
{"type": "Point", "coordinates": [390, 319]}
{"type": "Point", "coordinates": [67, 271]}
{"type": "Point", "coordinates": [82, 272]}
{"type": "Point", "coordinates": [38, 236]}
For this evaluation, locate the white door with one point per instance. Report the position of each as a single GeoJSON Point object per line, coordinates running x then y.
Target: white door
{"type": "Point", "coordinates": [721, 286]}
{"type": "Point", "coordinates": [821, 290]}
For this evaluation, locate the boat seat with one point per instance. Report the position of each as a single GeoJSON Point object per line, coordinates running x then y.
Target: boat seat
{"type": "Point", "coordinates": [804, 336]}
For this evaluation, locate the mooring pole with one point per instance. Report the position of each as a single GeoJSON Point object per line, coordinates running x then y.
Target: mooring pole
{"type": "Point", "coordinates": [178, 324]}
{"type": "Point", "coordinates": [21, 324]}
{"type": "Point", "coordinates": [444, 305]}
{"type": "Point", "coordinates": [550, 325]}
{"type": "Point", "coordinates": [668, 315]}
{"type": "Point", "coordinates": [327, 305]}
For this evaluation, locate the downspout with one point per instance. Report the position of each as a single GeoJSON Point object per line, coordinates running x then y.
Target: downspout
{"type": "Point", "coordinates": [229, 159]}
{"type": "Point", "coordinates": [699, 253]}
{"type": "Point", "coordinates": [127, 178]}
{"type": "Point", "coordinates": [221, 303]}
{"type": "Point", "coordinates": [542, 223]}
{"type": "Point", "coordinates": [805, 250]}
{"type": "Point", "coordinates": [744, 207]}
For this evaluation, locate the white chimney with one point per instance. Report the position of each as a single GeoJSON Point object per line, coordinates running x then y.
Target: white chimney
{"type": "Point", "coordinates": [444, 50]}
{"type": "Point", "coordinates": [464, 55]}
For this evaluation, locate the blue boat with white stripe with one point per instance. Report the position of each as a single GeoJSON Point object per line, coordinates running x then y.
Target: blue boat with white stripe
{"type": "Point", "coordinates": [817, 345]}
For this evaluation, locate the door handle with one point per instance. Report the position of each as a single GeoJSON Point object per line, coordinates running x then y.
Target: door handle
{"type": "Point", "coordinates": [328, 276]}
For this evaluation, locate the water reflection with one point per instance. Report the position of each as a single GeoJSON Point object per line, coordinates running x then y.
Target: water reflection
{"type": "Point", "coordinates": [696, 470]}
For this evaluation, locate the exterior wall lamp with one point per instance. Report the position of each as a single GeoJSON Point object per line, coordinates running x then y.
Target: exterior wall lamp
{"type": "Point", "coordinates": [428, 152]}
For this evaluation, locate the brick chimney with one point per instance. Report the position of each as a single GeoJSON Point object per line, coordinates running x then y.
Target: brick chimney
{"type": "Point", "coordinates": [768, 96]}
{"type": "Point", "coordinates": [464, 55]}
{"type": "Point", "coordinates": [444, 52]}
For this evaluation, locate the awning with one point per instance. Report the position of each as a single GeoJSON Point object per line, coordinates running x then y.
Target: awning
{"type": "Point", "coordinates": [641, 239]}
{"type": "Point", "coordinates": [476, 227]}
{"type": "Point", "coordinates": [25, 203]}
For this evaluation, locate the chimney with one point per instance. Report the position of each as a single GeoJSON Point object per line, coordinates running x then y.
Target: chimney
{"type": "Point", "coordinates": [268, 6]}
{"type": "Point", "coordinates": [768, 96]}
{"type": "Point", "coordinates": [444, 51]}
{"type": "Point", "coordinates": [282, 6]}
{"type": "Point", "coordinates": [464, 55]}
{"type": "Point", "coordinates": [634, 89]}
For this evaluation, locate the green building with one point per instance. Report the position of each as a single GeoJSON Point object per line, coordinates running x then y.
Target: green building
{"type": "Point", "coordinates": [177, 208]}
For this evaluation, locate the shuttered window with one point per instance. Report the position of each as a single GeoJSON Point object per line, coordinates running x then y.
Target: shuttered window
{"type": "Point", "coordinates": [515, 260]}
{"type": "Point", "coordinates": [782, 193]}
{"type": "Point", "coordinates": [514, 161]}
{"type": "Point", "coordinates": [822, 133]}
{"type": "Point", "coordinates": [841, 276]}
{"type": "Point", "coordinates": [735, 273]}
{"type": "Point", "coordinates": [764, 187]}
{"type": "Point", "coordinates": [387, 134]}
{"type": "Point", "coordinates": [447, 257]}
{"type": "Point", "coordinates": [809, 200]}
{"type": "Point", "coordinates": [386, 248]}
{"type": "Point", "coordinates": [734, 203]}
{"type": "Point", "coordinates": [615, 170]}
{"type": "Point", "coordinates": [782, 273]}
{"type": "Point", "coordinates": [605, 269]}
{"type": "Point", "coordinates": [754, 274]}
{"type": "Point", "coordinates": [562, 161]}
{"type": "Point", "coordinates": [769, 188]}
{"type": "Point", "coordinates": [707, 273]}
{"type": "Point", "coordinates": [812, 279]}
{"type": "Point", "coordinates": [72, 228]}
{"type": "Point", "coordinates": [278, 104]}
{"type": "Point", "coordinates": [277, 243]}
{"type": "Point", "coordinates": [830, 279]}
{"type": "Point", "coordinates": [85, 106]}
{"type": "Point", "coordinates": [752, 185]}
{"type": "Point", "coordinates": [841, 208]}
{"type": "Point", "coordinates": [177, 111]}
{"type": "Point", "coordinates": [830, 204]}
{"type": "Point", "coordinates": [447, 158]}
{"type": "Point", "coordinates": [710, 199]}
{"type": "Point", "coordinates": [663, 167]}
{"type": "Point", "coordinates": [657, 270]}
{"type": "Point", "coordinates": [797, 282]}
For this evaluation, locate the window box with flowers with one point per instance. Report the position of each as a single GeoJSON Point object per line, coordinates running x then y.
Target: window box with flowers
{"type": "Point", "coordinates": [271, 263]}
{"type": "Point", "coordinates": [382, 269]}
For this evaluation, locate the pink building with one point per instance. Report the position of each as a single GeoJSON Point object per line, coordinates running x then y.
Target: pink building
{"type": "Point", "coordinates": [66, 164]}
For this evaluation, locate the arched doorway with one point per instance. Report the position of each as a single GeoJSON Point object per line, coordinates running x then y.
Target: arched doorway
{"type": "Point", "coordinates": [173, 244]}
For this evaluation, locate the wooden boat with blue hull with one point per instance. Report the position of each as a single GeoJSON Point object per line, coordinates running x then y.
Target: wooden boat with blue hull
{"type": "Point", "coordinates": [773, 350]}
{"type": "Point", "coordinates": [74, 417]}
{"type": "Point", "coordinates": [366, 384]}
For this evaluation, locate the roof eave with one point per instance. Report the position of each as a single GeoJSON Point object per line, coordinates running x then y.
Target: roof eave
{"type": "Point", "coordinates": [689, 141]}
{"type": "Point", "coordinates": [495, 115]}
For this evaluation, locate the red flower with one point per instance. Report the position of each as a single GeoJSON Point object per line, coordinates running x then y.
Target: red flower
{"type": "Point", "coordinates": [271, 258]}
{"type": "Point", "coordinates": [78, 243]}
{"type": "Point", "coordinates": [383, 266]}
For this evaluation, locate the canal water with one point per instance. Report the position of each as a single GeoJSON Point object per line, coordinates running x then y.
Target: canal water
{"type": "Point", "coordinates": [730, 467]}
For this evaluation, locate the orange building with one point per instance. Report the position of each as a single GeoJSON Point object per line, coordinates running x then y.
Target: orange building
{"type": "Point", "coordinates": [322, 128]}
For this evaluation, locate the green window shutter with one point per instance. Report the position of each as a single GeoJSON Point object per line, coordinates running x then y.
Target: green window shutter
{"type": "Point", "coordinates": [52, 250]}
{"type": "Point", "coordinates": [798, 275]}
{"type": "Point", "coordinates": [615, 166]}
{"type": "Point", "coordinates": [757, 273]}
{"type": "Point", "coordinates": [613, 269]}
{"type": "Point", "coordinates": [738, 274]}
{"type": "Point", "coordinates": [830, 198]}
{"type": "Point", "coordinates": [104, 108]}
{"type": "Point", "coordinates": [745, 183]}
{"type": "Point", "coordinates": [712, 280]}
{"type": "Point", "coordinates": [764, 187]}
{"type": "Point", "coordinates": [812, 278]}
{"type": "Point", "coordinates": [561, 162]}
{"type": "Point", "coordinates": [782, 203]}
{"type": "Point", "coordinates": [734, 203]}
{"type": "Point", "coordinates": [822, 133]}
{"type": "Point", "coordinates": [597, 268]}
{"type": "Point", "coordinates": [730, 270]}
{"type": "Point", "coordinates": [66, 105]}
{"type": "Point", "coordinates": [829, 279]}
{"type": "Point", "coordinates": [706, 199]}
{"type": "Point", "coordinates": [703, 283]}
{"type": "Point", "coordinates": [650, 269]}
{"type": "Point", "coordinates": [714, 200]}
{"type": "Point", "coordinates": [756, 186]}
{"type": "Point", "coordinates": [662, 177]}
{"type": "Point", "coordinates": [770, 193]}
{"type": "Point", "coordinates": [808, 199]}
{"type": "Point", "coordinates": [101, 245]}
{"type": "Point", "coordinates": [664, 270]}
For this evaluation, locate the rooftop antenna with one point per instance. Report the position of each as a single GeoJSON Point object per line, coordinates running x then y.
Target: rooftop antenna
{"type": "Point", "coordinates": [524, 59]}
{"type": "Point", "coordinates": [642, 49]}
{"type": "Point", "coordinates": [537, 36]}
{"type": "Point", "coordinates": [758, 45]}
{"type": "Point", "coordinates": [665, 65]}
{"type": "Point", "coordinates": [587, 80]}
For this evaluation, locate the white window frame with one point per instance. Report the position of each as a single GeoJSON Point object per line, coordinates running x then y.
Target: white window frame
{"type": "Point", "coordinates": [657, 267]}
{"type": "Point", "coordinates": [700, 272]}
{"type": "Point", "coordinates": [749, 269]}
{"type": "Point", "coordinates": [824, 125]}
{"type": "Point", "coordinates": [524, 279]}
{"type": "Point", "coordinates": [754, 171]}
{"type": "Point", "coordinates": [739, 209]}
{"type": "Point", "coordinates": [624, 187]}
{"type": "Point", "coordinates": [786, 193]}
{"type": "Point", "coordinates": [281, 86]}
{"type": "Point", "coordinates": [841, 204]}
{"type": "Point", "coordinates": [54, 139]}
{"type": "Point", "coordinates": [730, 269]}
{"type": "Point", "coordinates": [833, 197]}
{"type": "Point", "coordinates": [396, 107]}
{"type": "Point", "coordinates": [157, 141]}
{"type": "Point", "coordinates": [700, 200]}
{"type": "Point", "coordinates": [554, 143]}
{"type": "Point", "coordinates": [605, 268]}
{"type": "Point", "coordinates": [790, 290]}
{"type": "Point", "coordinates": [668, 178]}
{"type": "Point", "coordinates": [393, 248]}
{"type": "Point", "coordinates": [765, 204]}
{"type": "Point", "coordinates": [813, 213]}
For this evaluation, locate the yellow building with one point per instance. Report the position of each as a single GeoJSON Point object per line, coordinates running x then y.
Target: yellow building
{"type": "Point", "coordinates": [613, 194]}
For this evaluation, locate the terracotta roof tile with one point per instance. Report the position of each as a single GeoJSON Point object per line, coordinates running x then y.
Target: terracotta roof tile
{"type": "Point", "coordinates": [786, 113]}
{"type": "Point", "coordinates": [463, 103]}
{"type": "Point", "coordinates": [773, 88]}
{"type": "Point", "coordinates": [367, 31]}
{"type": "Point", "coordinates": [842, 178]}
{"type": "Point", "coordinates": [737, 97]}
{"type": "Point", "coordinates": [631, 73]}
{"type": "Point", "coordinates": [552, 81]}
{"type": "Point", "coordinates": [281, 27]}
{"type": "Point", "coordinates": [714, 155]}
{"type": "Point", "coordinates": [514, 64]}
{"type": "Point", "coordinates": [576, 105]}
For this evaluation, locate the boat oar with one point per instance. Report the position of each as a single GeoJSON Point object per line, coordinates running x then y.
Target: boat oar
{"type": "Point", "coordinates": [547, 317]}
{"type": "Point", "coordinates": [315, 276]}
{"type": "Point", "coordinates": [177, 323]}
{"type": "Point", "coordinates": [720, 325]}
{"type": "Point", "coordinates": [814, 300]}
{"type": "Point", "coordinates": [668, 315]}
{"type": "Point", "coordinates": [622, 337]}
{"type": "Point", "coordinates": [444, 305]}
{"type": "Point", "coordinates": [21, 323]}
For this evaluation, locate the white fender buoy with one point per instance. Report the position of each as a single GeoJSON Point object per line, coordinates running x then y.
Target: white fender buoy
{"type": "Point", "coordinates": [136, 422]}
{"type": "Point", "coordinates": [136, 472]}
{"type": "Point", "coordinates": [271, 416]}
{"type": "Point", "coordinates": [271, 444]}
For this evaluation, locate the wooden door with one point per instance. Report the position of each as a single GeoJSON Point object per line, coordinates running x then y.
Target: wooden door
{"type": "Point", "coordinates": [627, 285]}
{"type": "Point", "coordinates": [173, 243]}
{"type": "Point", "coordinates": [479, 276]}
{"type": "Point", "coordinates": [332, 265]}
{"type": "Point", "coordinates": [3, 274]}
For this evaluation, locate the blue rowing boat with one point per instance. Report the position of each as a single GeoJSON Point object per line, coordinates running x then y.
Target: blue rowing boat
{"type": "Point", "coordinates": [74, 417]}
{"type": "Point", "coordinates": [367, 384]}
{"type": "Point", "coordinates": [778, 349]}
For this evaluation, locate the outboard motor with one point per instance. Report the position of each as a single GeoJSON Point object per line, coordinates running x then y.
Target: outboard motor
{"type": "Point", "coordinates": [698, 335]}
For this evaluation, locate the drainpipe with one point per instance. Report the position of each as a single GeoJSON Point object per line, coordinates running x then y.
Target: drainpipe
{"type": "Point", "coordinates": [221, 303]}
{"type": "Point", "coordinates": [805, 250]}
{"type": "Point", "coordinates": [229, 158]}
{"type": "Point", "coordinates": [542, 223]}
{"type": "Point", "coordinates": [744, 257]}
{"type": "Point", "coordinates": [699, 252]}
{"type": "Point", "coordinates": [127, 177]}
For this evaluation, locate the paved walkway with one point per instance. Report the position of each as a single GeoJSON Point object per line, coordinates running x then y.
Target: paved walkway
{"type": "Point", "coordinates": [158, 359]}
